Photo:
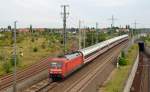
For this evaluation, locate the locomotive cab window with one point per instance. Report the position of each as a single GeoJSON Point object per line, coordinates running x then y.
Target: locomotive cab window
{"type": "Point", "coordinates": [56, 64]}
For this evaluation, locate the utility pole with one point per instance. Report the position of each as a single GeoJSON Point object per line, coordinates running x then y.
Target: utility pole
{"type": "Point", "coordinates": [92, 37]}
{"type": "Point", "coordinates": [135, 26]}
{"type": "Point", "coordinates": [14, 74]}
{"type": "Point", "coordinates": [64, 14]}
{"type": "Point", "coordinates": [84, 34]}
{"type": "Point", "coordinates": [112, 21]}
{"type": "Point", "coordinates": [96, 32]}
{"type": "Point", "coordinates": [80, 35]}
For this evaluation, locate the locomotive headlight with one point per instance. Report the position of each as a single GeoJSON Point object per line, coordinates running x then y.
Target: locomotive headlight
{"type": "Point", "coordinates": [51, 72]}
{"type": "Point", "coordinates": [55, 71]}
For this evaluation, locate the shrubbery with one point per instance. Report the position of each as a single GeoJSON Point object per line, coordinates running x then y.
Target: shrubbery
{"type": "Point", "coordinates": [32, 40]}
{"type": "Point", "coordinates": [122, 59]}
{"type": "Point", "coordinates": [1, 57]}
{"type": "Point", "coordinates": [12, 60]}
{"type": "Point", "coordinates": [6, 67]}
{"type": "Point", "coordinates": [35, 49]}
{"type": "Point", "coordinates": [43, 45]}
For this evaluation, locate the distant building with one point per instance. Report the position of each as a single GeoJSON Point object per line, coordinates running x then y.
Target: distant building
{"type": "Point", "coordinates": [23, 30]}
{"type": "Point", "coordinates": [123, 30]}
{"type": "Point", "coordinates": [39, 29]}
{"type": "Point", "coordinates": [1, 29]}
{"type": "Point", "coordinates": [104, 30]}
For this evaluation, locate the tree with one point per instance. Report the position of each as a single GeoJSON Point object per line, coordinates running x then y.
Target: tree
{"type": "Point", "coordinates": [30, 29]}
{"type": "Point", "coordinates": [102, 37]}
{"type": "Point", "coordinates": [9, 27]}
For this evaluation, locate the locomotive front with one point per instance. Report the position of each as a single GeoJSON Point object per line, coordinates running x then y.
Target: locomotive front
{"type": "Point", "coordinates": [56, 67]}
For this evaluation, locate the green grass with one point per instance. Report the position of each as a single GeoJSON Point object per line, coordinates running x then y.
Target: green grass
{"type": "Point", "coordinates": [146, 40]}
{"type": "Point", "coordinates": [46, 44]}
{"type": "Point", "coordinates": [117, 81]}
{"type": "Point", "coordinates": [25, 45]}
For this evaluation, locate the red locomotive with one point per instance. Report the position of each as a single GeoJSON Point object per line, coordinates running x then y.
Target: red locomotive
{"type": "Point", "coordinates": [64, 66]}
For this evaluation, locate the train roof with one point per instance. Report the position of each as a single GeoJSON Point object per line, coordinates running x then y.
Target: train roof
{"type": "Point", "coordinates": [56, 59]}
{"type": "Point", "coordinates": [89, 50]}
{"type": "Point", "coordinates": [72, 55]}
{"type": "Point", "coordinates": [93, 48]}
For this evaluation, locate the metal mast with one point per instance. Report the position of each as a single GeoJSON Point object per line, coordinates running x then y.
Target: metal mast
{"type": "Point", "coordinates": [80, 35]}
{"type": "Point", "coordinates": [96, 32]}
{"type": "Point", "coordinates": [112, 21]}
{"type": "Point", "coordinates": [84, 39]}
{"type": "Point", "coordinates": [135, 26]}
{"type": "Point", "coordinates": [14, 74]}
{"type": "Point", "coordinates": [64, 14]}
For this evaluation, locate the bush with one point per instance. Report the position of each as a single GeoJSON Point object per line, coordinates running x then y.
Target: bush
{"type": "Point", "coordinates": [1, 57]}
{"type": "Point", "coordinates": [7, 67]}
{"type": "Point", "coordinates": [43, 45]}
{"type": "Point", "coordinates": [122, 61]}
{"type": "Point", "coordinates": [12, 60]}
{"type": "Point", "coordinates": [123, 54]}
{"type": "Point", "coordinates": [35, 49]}
{"type": "Point", "coordinates": [19, 39]}
{"type": "Point", "coordinates": [32, 40]}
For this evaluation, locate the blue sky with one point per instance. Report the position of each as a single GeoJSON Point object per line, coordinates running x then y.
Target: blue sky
{"type": "Point", "coordinates": [46, 13]}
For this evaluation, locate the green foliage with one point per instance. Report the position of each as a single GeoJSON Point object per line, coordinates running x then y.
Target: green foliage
{"type": "Point", "coordinates": [30, 29]}
{"type": "Point", "coordinates": [123, 54]}
{"type": "Point", "coordinates": [31, 43]}
{"type": "Point", "coordinates": [19, 39]}
{"type": "Point", "coordinates": [122, 59]}
{"type": "Point", "coordinates": [92, 37]}
{"type": "Point", "coordinates": [35, 49]}
{"type": "Point", "coordinates": [32, 40]}
{"type": "Point", "coordinates": [119, 76]}
{"type": "Point", "coordinates": [5, 39]}
{"type": "Point", "coordinates": [146, 39]}
{"type": "Point", "coordinates": [43, 45]}
{"type": "Point", "coordinates": [12, 60]}
{"type": "Point", "coordinates": [6, 67]}
{"type": "Point", "coordinates": [102, 36]}
{"type": "Point", "coordinates": [1, 57]}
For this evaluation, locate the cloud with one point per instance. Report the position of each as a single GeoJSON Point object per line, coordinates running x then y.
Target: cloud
{"type": "Point", "coordinates": [110, 3]}
{"type": "Point", "coordinates": [47, 12]}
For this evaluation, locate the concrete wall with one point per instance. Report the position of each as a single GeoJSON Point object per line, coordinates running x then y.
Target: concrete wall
{"type": "Point", "coordinates": [131, 76]}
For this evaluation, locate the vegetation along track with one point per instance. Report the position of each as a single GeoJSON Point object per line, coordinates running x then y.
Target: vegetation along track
{"type": "Point", "coordinates": [45, 85]}
{"type": "Point", "coordinates": [7, 80]}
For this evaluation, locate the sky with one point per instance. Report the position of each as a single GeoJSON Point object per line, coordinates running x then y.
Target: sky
{"type": "Point", "coordinates": [47, 13]}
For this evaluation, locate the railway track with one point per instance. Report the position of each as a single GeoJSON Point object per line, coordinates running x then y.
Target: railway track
{"type": "Point", "coordinates": [144, 80]}
{"type": "Point", "coordinates": [79, 85]}
{"type": "Point", "coordinates": [7, 80]}
{"type": "Point", "coordinates": [76, 84]}
{"type": "Point", "coordinates": [82, 82]}
{"type": "Point", "coordinates": [141, 81]}
{"type": "Point", "coordinates": [42, 86]}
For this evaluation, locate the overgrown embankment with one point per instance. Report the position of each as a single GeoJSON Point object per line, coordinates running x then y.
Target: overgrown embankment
{"type": "Point", "coordinates": [119, 76]}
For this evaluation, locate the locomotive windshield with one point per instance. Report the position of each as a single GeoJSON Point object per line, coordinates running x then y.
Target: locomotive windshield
{"type": "Point", "coordinates": [55, 64]}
